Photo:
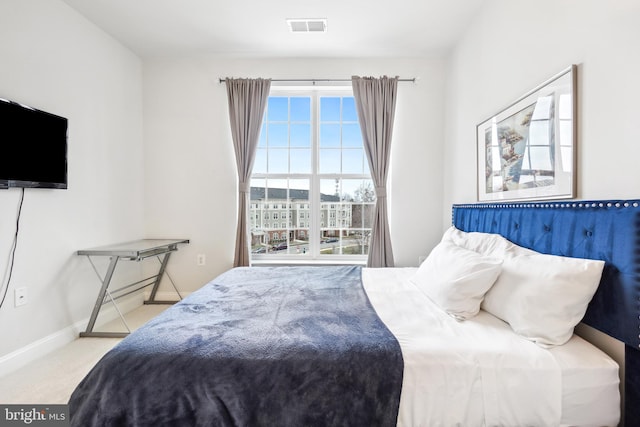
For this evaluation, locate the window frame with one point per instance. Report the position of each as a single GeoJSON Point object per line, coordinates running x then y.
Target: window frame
{"type": "Point", "coordinates": [312, 207]}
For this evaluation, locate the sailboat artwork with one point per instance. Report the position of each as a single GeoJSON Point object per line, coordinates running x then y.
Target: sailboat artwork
{"type": "Point", "coordinates": [510, 145]}
{"type": "Point", "coordinates": [527, 151]}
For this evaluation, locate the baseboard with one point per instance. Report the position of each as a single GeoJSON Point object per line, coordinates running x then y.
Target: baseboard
{"type": "Point", "coordinates": [40, 348]}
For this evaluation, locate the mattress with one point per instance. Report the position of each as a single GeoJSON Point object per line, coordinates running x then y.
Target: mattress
{"type": "Point", "coordinates": [479, 372]}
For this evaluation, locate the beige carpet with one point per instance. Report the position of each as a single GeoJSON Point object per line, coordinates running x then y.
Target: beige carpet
{"type": "Point", "coordinates": [52, 378]}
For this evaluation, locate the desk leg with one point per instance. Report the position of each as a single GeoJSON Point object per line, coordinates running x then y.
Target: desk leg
{"type": "Point", "coordinates": [99, 301]}
{"type": "Point", "coordinates": [156, 284]}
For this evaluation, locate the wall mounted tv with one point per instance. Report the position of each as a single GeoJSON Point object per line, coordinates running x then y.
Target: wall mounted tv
{"type": "Point", "coordinates": [33, 147]}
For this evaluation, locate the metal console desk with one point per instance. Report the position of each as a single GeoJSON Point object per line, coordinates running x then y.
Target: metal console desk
{"type": "Point", "coordinates": [132, 251]}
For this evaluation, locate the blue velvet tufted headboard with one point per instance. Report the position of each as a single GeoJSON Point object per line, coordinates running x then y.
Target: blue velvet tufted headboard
{"type": "Point", "coordinates": [602, 229]}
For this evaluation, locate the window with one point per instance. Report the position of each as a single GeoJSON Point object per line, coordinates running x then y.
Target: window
{"type": "Point", "coordinates": [311, 161]}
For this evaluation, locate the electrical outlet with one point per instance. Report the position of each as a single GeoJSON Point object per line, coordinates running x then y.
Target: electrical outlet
{"type": "Point", "coordinates": [202, 260]}
{"type": "Point", "coordinates": [20, 296]}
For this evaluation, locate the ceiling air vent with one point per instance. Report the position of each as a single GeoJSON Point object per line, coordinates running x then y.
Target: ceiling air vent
{"type": "Point", "coordinates": [307, 25]}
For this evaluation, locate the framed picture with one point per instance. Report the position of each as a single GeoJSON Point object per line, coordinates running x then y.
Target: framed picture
{"type": "Point", "coordinates": [528, 150]}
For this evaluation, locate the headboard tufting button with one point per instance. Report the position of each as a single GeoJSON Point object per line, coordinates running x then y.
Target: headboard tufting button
{"type": "Point", "coordinates": [547, 228]}
{"type": "Point", "coordinates": [588, 233]}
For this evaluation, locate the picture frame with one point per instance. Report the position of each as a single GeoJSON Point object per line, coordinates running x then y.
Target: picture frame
{"type": "Point", "coordinates": [527, 151]}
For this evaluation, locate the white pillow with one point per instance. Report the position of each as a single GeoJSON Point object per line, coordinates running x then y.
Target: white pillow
{"type": "Point", "coordinates": [484, 243]}
{"type": "Point", "coordinates": [543, 297]}
{"type": "Point", "coordinates": [456, 278]}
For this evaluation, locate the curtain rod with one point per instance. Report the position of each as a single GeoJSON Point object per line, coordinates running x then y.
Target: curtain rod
{"type": "Point", "coordinates": [314, 81]}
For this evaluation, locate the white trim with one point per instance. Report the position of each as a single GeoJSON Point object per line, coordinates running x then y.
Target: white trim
{"type": "Point", "coordinates": [40, 348]}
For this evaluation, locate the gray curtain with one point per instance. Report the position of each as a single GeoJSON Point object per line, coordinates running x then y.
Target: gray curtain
{"type": "Point", "coordinates": [247, 102]}
{"type": "Point", "coordinates": [375, 100]}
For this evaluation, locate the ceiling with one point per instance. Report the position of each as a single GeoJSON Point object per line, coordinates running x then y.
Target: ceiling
{"type": "Point", "coordinates": [258, 28]}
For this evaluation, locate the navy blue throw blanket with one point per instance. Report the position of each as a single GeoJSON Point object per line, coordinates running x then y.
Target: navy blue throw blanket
{"type": "Point", "coordinates": [266, 346]}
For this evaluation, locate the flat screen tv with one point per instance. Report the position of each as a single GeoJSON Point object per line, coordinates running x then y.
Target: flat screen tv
{"type": "Point", "coordinates": [33, 147]}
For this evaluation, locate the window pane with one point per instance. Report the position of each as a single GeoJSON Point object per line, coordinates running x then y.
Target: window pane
{"type": "Point", "coordinates": [301, 135]}
{"type": "Point", "coordinates": [329, 160]}
{"type": "Point", "coordinates": [330, 214]}
{"type": "Point", "coordinates": [330, 190]}
{"type": "Point", "coordinates": [346, 215]}
{"type": "Point", "coordinates": [257, 215]}
{"type": "Point", "coordinates": [300, 160]}
{"type": "Point", "coordinates": [366, 170]}
{"type": "Point", "coordinates": [299, 216]}
{"type": "Point", "coordinates": [278, 135]}
{"type": "Point", "coordinates": [362, 206]}
{"type": "Point", "coordinates": [353, 160]}
{"type": "Point", "coordinates": [329, 135]}
{"type": "Point", "coordinates": [278, 161]}
{"type": "Point", "coordinates": [278, 108]}
{"type": "Point", "coordinates": [330, 242]}
{"type": "Point", "coordinates": [288, 201]}
{"type": "Point", "coordinates": [362, 216]}
{"type": "Point", "coordinates": [260, 162]}
{"type": "Point", "coordinates": [262, 142]}
{"type": "Point", "coordinates": [300, 109]}
{"type": "Point", "coordinates": [351, 135]}
{"type": "Point", "coordinates": [277, 191]}
{"type": "Point", "coordinates": [362, 190]}
{"type": "Point", "coordinates": [330, 109]}
{"type": "Point", "coordinates": [349, 113]}
{"type": "Point", "coordinates": [360, 232]}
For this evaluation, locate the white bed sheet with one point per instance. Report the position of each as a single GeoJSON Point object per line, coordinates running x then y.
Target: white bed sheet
{"type": "Point", "coordinates": [480, 373]}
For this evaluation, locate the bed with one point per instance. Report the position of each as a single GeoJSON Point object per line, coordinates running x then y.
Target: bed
{"type": "Point", "coordinates": [346, 345]}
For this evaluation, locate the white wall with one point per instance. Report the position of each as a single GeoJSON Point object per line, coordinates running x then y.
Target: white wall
{"type": "Point", "coordinates": [513, 46]}
{"type": "Point", "coordinates": [53, 59]}
{"type": "Point", "coordinates": [190, 175]}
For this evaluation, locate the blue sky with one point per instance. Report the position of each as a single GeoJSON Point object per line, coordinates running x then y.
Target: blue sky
{"type": "Point", "coordinates": [285, 145]}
